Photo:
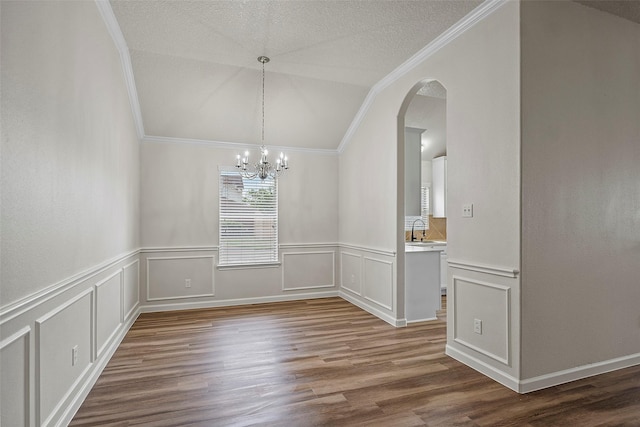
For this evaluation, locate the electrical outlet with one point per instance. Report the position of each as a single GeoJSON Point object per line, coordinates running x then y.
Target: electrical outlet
{"type": "Point", "coordinates": [74, 355]}
{"type": "Point", "coordinates": [187, 283]}
{"type": "Point", "coordinates": [467, 210]}
{"type": "Point", "coordinates": [477, 326]}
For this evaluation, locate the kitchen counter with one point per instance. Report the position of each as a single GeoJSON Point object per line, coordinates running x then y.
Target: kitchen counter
{"type": "Point", "coordinates": [424, 247]}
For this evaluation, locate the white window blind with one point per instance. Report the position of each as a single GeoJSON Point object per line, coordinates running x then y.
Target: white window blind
{"type": "Point", "coordinates": [248, 220]}
{"type": "Point", "coordinates": [410, 221]}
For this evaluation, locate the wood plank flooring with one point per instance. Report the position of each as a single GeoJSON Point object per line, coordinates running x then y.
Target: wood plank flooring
{"type": "Point", "coordinates": [323, 362]}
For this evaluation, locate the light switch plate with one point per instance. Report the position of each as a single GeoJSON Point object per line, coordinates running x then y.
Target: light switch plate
{"type": "Point", "coordinates": [467, 210]}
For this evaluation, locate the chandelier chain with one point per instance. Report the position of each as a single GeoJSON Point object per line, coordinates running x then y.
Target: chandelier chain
{"type": "Point", "coordinates": [262, 102]}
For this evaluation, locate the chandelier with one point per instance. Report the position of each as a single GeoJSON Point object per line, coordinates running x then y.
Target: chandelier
{"type": "Point", "coordinates": [262, 168]}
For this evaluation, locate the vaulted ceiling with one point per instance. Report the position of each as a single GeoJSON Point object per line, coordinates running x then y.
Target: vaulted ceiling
{"type": "Point", "coordinates": [197, 75]}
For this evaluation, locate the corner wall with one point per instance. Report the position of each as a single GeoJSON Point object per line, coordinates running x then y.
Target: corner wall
{"type": "Point", "coordinates": [69, 208]}
{"type": "Point", "coordinates": [580, 192]}
{"type": "Point", "coordinates": [480, 70]}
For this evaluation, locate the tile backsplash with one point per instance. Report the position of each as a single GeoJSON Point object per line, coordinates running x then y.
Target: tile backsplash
{"type": "Point", "coordinates": [437, 230]}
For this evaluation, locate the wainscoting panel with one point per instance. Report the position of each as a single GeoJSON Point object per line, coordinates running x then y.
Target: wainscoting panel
{"type": "Point", "coordinates": [351, 272]}
{"type": "Point", "coordinates": [378, 282]}
{"type": "Point", "coordinates": [490, 303]}
{"type": "Point", "coordinates": [58, 332]}
{"type": "Point", "coordinates": [130, 288]}
{"type": "Point", "coordinates": [308, 270]}
{"type": "Point", "coordinates": [108, 310]}
{"type": "Point", "coordinates": [176, 277]}
{"type": "Point", "coordinates": [14, 381]}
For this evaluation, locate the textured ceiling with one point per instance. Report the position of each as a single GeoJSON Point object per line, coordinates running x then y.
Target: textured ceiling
{"type": "Point", "coordinates": [627, 9]}
{"type": "Point", "coordinates": [197, 76]}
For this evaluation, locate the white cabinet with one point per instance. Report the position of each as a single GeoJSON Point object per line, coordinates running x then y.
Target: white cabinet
{"type": "Point", "coordinates": [439, 187]}
{"type": "Point", "coordinates": [412, 171]}
{"type": "Point", "coordinates": [421, 283]}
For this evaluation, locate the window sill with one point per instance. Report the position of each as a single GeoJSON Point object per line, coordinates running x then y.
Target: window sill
{"type": "Point", "coordinates": [274, 264]}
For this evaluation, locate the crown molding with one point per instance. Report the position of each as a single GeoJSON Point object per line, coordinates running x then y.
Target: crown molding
{"type": "Point", "coordinates": [106, 12]}
{"type": "Point", "coordinates": [235, 145]}
{"type": "Point", "coordinates": [459, 28]}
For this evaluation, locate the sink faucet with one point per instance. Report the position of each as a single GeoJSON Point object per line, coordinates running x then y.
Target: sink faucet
{"type": "Point", "coordinates": [424, 231]}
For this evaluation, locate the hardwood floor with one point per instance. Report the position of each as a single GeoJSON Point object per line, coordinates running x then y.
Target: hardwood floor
{"type": "Point", "coordinates": [323, 362]}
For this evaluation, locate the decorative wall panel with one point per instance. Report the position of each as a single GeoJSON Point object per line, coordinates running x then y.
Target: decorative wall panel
{"type": "Point", "coordinates": [489, 303]}
{"type": "Point", "coordinates": [351, 272]}
{"type": "Point", "coordinates": [308, 270]}
{"type": "Point", "coordinates": [378, 282]}
{"type": "Point", "coordinates": [179, 277]}
{"type": "Point", "coordinates": [58, 332]}
{"type": "Point", "coordinates": [131, 288]}
{"type": "Point", "coordinates": [108, 309]}
{"type": "Point", "coordinates": [14, 381]}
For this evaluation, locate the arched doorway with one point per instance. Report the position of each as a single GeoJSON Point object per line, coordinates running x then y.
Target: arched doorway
{"type": "Point", "coordinates": [421, 209]}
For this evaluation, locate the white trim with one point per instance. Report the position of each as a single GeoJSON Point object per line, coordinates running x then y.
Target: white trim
{"type": "Point", "coordinates": [22, 334]}
{"type": "Point", "coordinates": [98, 351]}
{"type": "Point", "coordinates": [240, 146]}
{"type": "Point", "coordinates": [364, 293]}
{"type": "Point", "coordinates": [342, 285]}
{"type": "Point", "coordinates": [106, 12]}
{"type": "Point", "coordinates": [274, 264]}
{"type": "Point", "coordinates": [507, 321]}
{"type": "Point", "coordinates": [370, 250]}
{"type": "Point", "coordinates": [178, 249]}
{"type": "Point", "coordinates": [483, 268]}
{"type": "Point", "coordinates": [137, 302]}
{"type": "Point", "coordinates": [373, 310]}
{"type": "Point", "coordinates": [233, 302]}
{"type": "Point", "coordinates": [459, 28]}
{"type": "Point", "coordinates": [484, 368]}
{"type": "Point", "coordinates": [285, 246]}
{"type": "Point", "coordinates": [213, 273]}
{"type": "Point", "coordinates": [333, 270]}
{"type": "Point", "coordinates": [578, 373]}
{"type": "Point", "coordinates": [428, 319]}
{"type": "Point", "coordinates": [19, 307]}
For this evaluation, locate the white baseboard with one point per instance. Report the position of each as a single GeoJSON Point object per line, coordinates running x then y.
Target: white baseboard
{"type": "Point", "coordinates": [373, 310]}
{"type": "Point", "coordinates": [578, 373]}
{"type": "Point", "coordinates": [151, 308]}
{"type": "Point", "coordinates": [428, 319]}
{"type": "Point", "coordinates": [547, 380]}
{"type": "Point", "coordinates": [484, 368]}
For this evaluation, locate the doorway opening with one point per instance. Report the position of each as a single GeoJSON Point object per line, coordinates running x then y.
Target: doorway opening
{"type": "Point", "coordinates": [421, 230]}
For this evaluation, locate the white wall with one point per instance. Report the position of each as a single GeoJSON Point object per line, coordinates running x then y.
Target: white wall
{"type": "Point", "coordinates": [480, 71]}
{"type": "Point", "coordinates": [580, 191]}
{"type": "Point", "coordinates": [69, 150]}
{"type": "Point", "coordinates": [179, 218]}
{"type": "Point", "coordinates": [69, 207]}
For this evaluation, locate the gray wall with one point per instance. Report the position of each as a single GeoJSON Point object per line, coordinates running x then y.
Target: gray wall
{"type": "Point", "coordinates": [69, 208]}
{"type": "Point", "coordinates": [580, 187]}
{"type": "Point", "coordinates": [70, 154]}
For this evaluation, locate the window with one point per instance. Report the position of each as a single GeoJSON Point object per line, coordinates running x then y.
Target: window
{"type": "Point", "coordinates": [248, 220]}
{"type": "Point", "coordinates": [409, 221]}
